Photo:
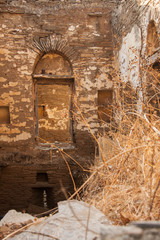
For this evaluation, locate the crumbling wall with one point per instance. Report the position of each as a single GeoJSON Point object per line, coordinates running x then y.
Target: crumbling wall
{"type": "Point", "coordinates": [86, 29]}
{"type": "Point", "coordinates": [136, 26]}
{"type": "Point", "coordinates": [92, 38]}
{"type": "Point", "coordinates": [80, 33]}
{"type": "Point", "coordinates": [20, 188]}
{"type": "Point", "coordinates": [24, 178]}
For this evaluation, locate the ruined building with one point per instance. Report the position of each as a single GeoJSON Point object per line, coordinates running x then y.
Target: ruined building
{"type": "Point", "coordinates": [57, 88]}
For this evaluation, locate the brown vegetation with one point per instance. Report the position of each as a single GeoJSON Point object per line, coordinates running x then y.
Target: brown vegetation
{"type": "Point", "coordinates": [125, 180]}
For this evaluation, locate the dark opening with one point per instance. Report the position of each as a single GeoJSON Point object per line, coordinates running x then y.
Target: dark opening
{"type": "Point", "coordinates": [4, 115]}
{"type": "Point", "coordinates": [42, 177]}
{"type": "Point", "coordinates": [41, 111]}
{"type": "Point", "coordinates": [153, 86]}
{"type": "Point", "coordinates": [156, 66]}
{"type": "Point", "coordinates": [105, 99]}
{"type": "Point", "coordinates": [152, 38]}
{"type": "Point", "coordinates": [43, 197]}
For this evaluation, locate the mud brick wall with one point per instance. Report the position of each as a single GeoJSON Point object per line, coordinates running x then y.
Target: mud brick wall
{"type": "Point", "coordinates": [81, 33]}
{"type": "Point", "coordinates": [91, 39]}
{"type": "Point", "coordinates": [23, 185]}
{"type": "Point", "coordinates": [86, 28]}
{"type": "Point", "coordinates": [19, 189]}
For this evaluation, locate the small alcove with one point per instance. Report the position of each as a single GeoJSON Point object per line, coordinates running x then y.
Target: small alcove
{"type": "Point", "coordinates": [105, 102]}
{"type": "Point", "coordinates": [42, 177]}
{"type": "Point", "coordinates": [4, 115]}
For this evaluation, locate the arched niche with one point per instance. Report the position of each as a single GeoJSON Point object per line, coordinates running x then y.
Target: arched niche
{"type": "Point", "coordinates": [53, 99]}
{"type": "Point", "coordinates": [152, 38]}
{"type": "Point", "coordinates": [53, 64]}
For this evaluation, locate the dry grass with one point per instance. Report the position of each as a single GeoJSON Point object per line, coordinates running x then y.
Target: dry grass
{"type": "Point", "coordinates": [126, 177]}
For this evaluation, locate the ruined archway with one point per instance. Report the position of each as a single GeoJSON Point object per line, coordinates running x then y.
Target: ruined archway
{"type": "Point", "coordinates": [53, 99]}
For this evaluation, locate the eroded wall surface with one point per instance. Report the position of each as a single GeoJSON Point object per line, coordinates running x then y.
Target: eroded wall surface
{"type": "Point", "coordinates": [88, 40]}
{"type": "Point", "coordinates": [80, 33]}
{"type": "Point", "coordinates": [86, 28]}
{"type": "Point", "coordinates": [132, 20]}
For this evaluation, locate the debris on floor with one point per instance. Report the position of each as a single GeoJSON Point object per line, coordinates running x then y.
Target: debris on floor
{"type": "Point", "coordinates": [14, 217]}
{"type": "Point", "coordinates": [13, 221]}
{"type": "Point", "coordinates": [76, 220]}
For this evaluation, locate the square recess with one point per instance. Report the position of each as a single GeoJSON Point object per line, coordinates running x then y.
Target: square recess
{"type": "Point", "coordinates": [4, 115]}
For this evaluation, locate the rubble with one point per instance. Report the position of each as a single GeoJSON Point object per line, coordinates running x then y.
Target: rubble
{"type": "Point", "coordinates": [135, 231]}
{"type": "Point", "coordinates": [74, 220]}
{"type": "Point", "coordinates": [77, 220]}
{"type": "Point", "coordinates": [13, 221]}
{"type": "Point", "coordinates": [14, 217]}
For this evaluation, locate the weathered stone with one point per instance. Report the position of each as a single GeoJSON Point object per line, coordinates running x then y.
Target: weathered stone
{"type": "Point", "coordinates": [75, 220]}
{"type": "Point", "coordinates": [136, 230]}
{"type": "Point", "coordinates": [146, 224]}
{"type": "Point", "coordinates": [121, 233]}
{"type": "Point", "coordinates": [14, 217]}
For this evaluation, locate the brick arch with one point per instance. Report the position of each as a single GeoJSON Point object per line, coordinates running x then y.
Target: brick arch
{"type": "Point", "coordinates": [53, 83]}
{"type": "Point", "coordinates": [57, 44]}
{"type": "Point", "coordinates": [55, 64]}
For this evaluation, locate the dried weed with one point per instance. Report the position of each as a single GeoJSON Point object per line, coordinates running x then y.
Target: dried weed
{"type": "Point", "coordinates": [126, 183]}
